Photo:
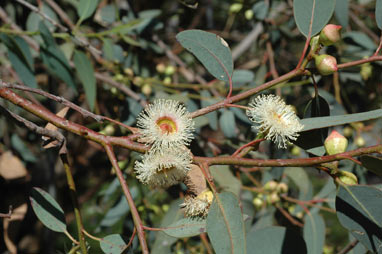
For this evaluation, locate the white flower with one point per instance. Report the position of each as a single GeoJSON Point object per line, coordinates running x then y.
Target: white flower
{"type": "Point", "coordinates": [165, 167]}
{"type": "Point", "coordinates": [197, 206]}
{"type": "Point", "coordinates": [275, 119]}
{"type": "Point", "coordinates": [165, 123]}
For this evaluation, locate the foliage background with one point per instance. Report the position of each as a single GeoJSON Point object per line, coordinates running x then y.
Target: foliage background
{"type": "Point", "coordinates": [135, 59]}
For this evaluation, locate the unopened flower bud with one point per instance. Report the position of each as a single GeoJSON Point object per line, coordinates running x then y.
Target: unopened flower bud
{"type": "Point", "coordinates": [160, 68]}
{"type": "Point", "coordinates": [169, 70]}
{"type": "Point", "coordinates": [347, 177]}
{"type": "Point", "coordinates": [348, 131]}
{"type": "Point", "coordinates": [258, 203]}
{"type": "Point", "coordinates": [236, 7]}
{"type": "Point", "coordinates": [330, 34]}
{"type": "Point", "coordinates": [146, 89]}
{"type": "Point", "coordinates": [167, 81]}
{"type": "Point", "coordinates": [248, 14]}
{"type": "Point", "coordinates": [360, 141]}
{"type": "Point", "coordinates": [282, 188]}
{"type": "Point", "coordinates": [273, 198]}
{"type": "Point", "coordinates": [335, 143]}
{"type": "Point", "coordinates": [366, 71]}
{"type": "Point", "coordinates": [138, 81]}
{"type": "Point", "coordinates": [326, 64]}
{"type": "Point", "coordinates": [270, 186]}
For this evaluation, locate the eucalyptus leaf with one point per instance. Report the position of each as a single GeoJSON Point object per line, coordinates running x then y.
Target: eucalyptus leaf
{"type": "Point", "coordinates": [211, 50]}
{"type": "Point", "coordinates": [317, 11]}
{"type": "Point", "coordinates": [227, 123]}
{"type": "Point", "coordinates": [342, 12]}
{"type": "Point", "coordinates": [113, 244]}
{"type": "Point", "coordinates": [86, 8]}
{"type": "Point", "coordinates": [85, 73]}
{"type": "Point", "coordinates": [378, 13]}
{"type": "Point", "coordinates": [47, 210]}
{"type": "Point", "coordinates": [372, 163]}
{"type": "Point", "coordinates": [359, 210]}
{"type": "Point", "coordinates": [186, 227]}
{"type": "Point", "coordinates": [225, 225]}
{"type": "Point", "coordinates": [314, 233]}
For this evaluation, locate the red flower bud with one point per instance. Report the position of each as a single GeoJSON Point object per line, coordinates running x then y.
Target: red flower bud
{"type": "Point", "coordinates": [326, 64]}
{"type": "Point", "coordinates": [330, 34]}
{"type": "Point", "coordinates": [335, 143]}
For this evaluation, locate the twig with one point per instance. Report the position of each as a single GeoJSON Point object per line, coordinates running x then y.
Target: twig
{"type": "Point", "coordinates": [35, 9]}
{"type": "Point", "coordinates": [129, 198]}
{"type": "Point", "coordinates": [248, 41]}
{"type": "Point", "coordinates": [122, 87]}
{"type": "Point", "coordinates": [253, 142]}
{"type": "Point", "coordinates": [362, 26]}
{"type": "Point", "coordinates": [349, 247]}
{"type": "Point", "coordinates": [33, 127]}
{"type": "Point", "coordinates": [73, 195]}
{"type": "Point", "coordinates": [289, 217]}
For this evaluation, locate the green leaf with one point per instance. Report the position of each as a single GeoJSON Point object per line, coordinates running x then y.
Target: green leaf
{"type": "Point", "coordinates": [322, 11]}
{"type": "Point", "coordinates": [211, 50]}
{"type": "Point", "coordinates": [342, 12]}
{"type": "Point", "coordinates": [275, 240]}
{"type": "Point", "coordinates": [322, 122]}
{"type": "Point", "coordinates": [21, 59]}
{"type": "Point", "coordinates": [260, 10]}
{"type": "Point", "coordinates": [314, 233]}
{"type": "Point", "coordinates": [317, 107]}
{"type": "Point", "coordinates": [361, 39]}
{"type": "Point", "coordinates": [378, 13]}
{"type": "Point", "coordinates": [241, 77]}
{"type": "Point", "coordinates": [359, 210]}
{"type": "Point", "coordinates": [225, 226]}
{"type": "Point", "coordinates": [372, 163]}
{"type": "Point", "coordinates": [212, 116]}
{"type": "Point", "coordinates": [113, 244]}
{"type": "Point", "coordinates": [227, 123]}
{"type": "Point", "coordinates": [54, 59]}
{"type": "Point", "coordinates": [186, 227]}
{"type": "Point", "coordinates": [226, 180]}
{"type": "Point", "coordinates": [115, 213]}
{"type": "Point", "coordinates": [85, 73]}
{"type": "Point", "coordinates": [86, 8]}
{"type": "Point", "coordinates": [163, 242]}
{"type": "Point", "coordinates": [301, 179]}
{"type": "Point", "coordinates": [47, 210]}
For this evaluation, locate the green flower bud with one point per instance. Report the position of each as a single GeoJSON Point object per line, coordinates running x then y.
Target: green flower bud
{"type": "Point", "coordinates": [169, 70]}
{"type": "Point", "coordinates": [273, 198]}
{"type": "Point", "coordinates": [160, 68]}
{"type": "Point", "coordinates": [326, 64]}
{"type": "Point", "coordinates": [146, 89]}
{"type": "Point", "coordinates": [366, 71]}
{"type": "Point", "coordinates": [258, 203]}
{"type": "Point", "coordinates": [347, 177]}
{"type": "Point", "coordinates": [270, 186]}
{"type": "Point", "coordinates": [138, 81]}
{"type": "Point", "coordinates": [360, 141]}
{"type": "Point", "coordinates": [282, 188]}
{"type": "Point", "coordinates": [236, 7]}
{"type": "Point", "coordinates": [335, 143]}
{"type": "Point", "coordinates": [348, 131]}
{"type": "Point", "coordinates": [167, 81]}
{"type": "Point", "coordinates": [248, 14]}
{"type": "Point", "coordinates": [330, 34]}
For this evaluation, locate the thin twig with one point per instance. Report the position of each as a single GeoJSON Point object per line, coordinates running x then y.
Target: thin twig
{"type": "Point", "coordinates": [349, 247]}
{"type": "Point", "coordinates": [129, 198]}
{"type": "Point", "coordinates": [289, 217]}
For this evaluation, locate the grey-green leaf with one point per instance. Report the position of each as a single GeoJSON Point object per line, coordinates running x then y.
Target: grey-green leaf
{"type": "Point", "coordinates": [327, 121]}
{"type": "Point", "coordinates": [113, 244]}
{"type": "Point", "coordinates": [372, 163]}
{"type": "Point", "coordinates": [225, 226]}
{"type": "Point", "coordinates": [378, 13]}
{"type": "Point", "coordinates": [226, 180]}
{"type": "Point", "coordinates": [211, 50]}
{"type": "Point", "coordinates": [275, 240]}
{"type": "Point", "coordinates": [86, 8]}
{"type": "Point", "coordinates": [227, 123]}
{"type": "Point", "coordinates": [342, 12]}
{"type": "Point", "coordinates": [359, 210]}
{"type": "Point", "coordinates": [47, 210]}
{"type": "Point", "coordinates": [186, 227]}
{"type": "Point", "coordinates": [322, 11]}
{"type": "Point", "coordinates": [314, 233]}
{"type": "Point", "coordinates": [85, 73]}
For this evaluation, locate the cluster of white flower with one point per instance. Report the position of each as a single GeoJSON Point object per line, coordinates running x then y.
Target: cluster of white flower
{"type": "Point", "coordinates": [276, 120]}
{"type": "Point", "coordinates": [167, 127]}
{"type": "Point", "coordinates": [198, 206]}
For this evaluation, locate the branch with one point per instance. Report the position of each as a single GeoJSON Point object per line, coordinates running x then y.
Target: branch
{"type": "Point", "coordinates": [130, 200]}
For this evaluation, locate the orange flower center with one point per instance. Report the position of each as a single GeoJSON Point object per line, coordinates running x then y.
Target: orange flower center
{"type": "Point", "coordinates": [167, 125]}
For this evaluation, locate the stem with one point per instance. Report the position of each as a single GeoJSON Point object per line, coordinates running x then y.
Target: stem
{"type": "Point", "coordinates": [129, 198]}
{"type": "Point", "coordinates": [73, 196]}
{"type": "Point", "coordinates": [253, 142]}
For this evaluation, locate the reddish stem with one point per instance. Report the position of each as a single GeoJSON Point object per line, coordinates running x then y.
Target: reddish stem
{"type": "Point", "coordinates": [253, 142]}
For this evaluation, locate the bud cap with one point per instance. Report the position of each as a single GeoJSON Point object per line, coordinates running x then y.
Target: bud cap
{"type": "Point", "coordinates": [335, 143]}
{"type": "Point", "coordinates": [326, 64]}
{"type": "Point", "coordinates": [330, 34]}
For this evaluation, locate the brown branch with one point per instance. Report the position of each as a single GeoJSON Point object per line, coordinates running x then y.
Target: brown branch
{"type": "Point", "coordinates": [129, 198]}
{"type": "Point", "coordinates": [349, 247]}
{"type": "Point", "coordinates": [289, 217]}
{"type": "Point", "coordinates": [7, 215]}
